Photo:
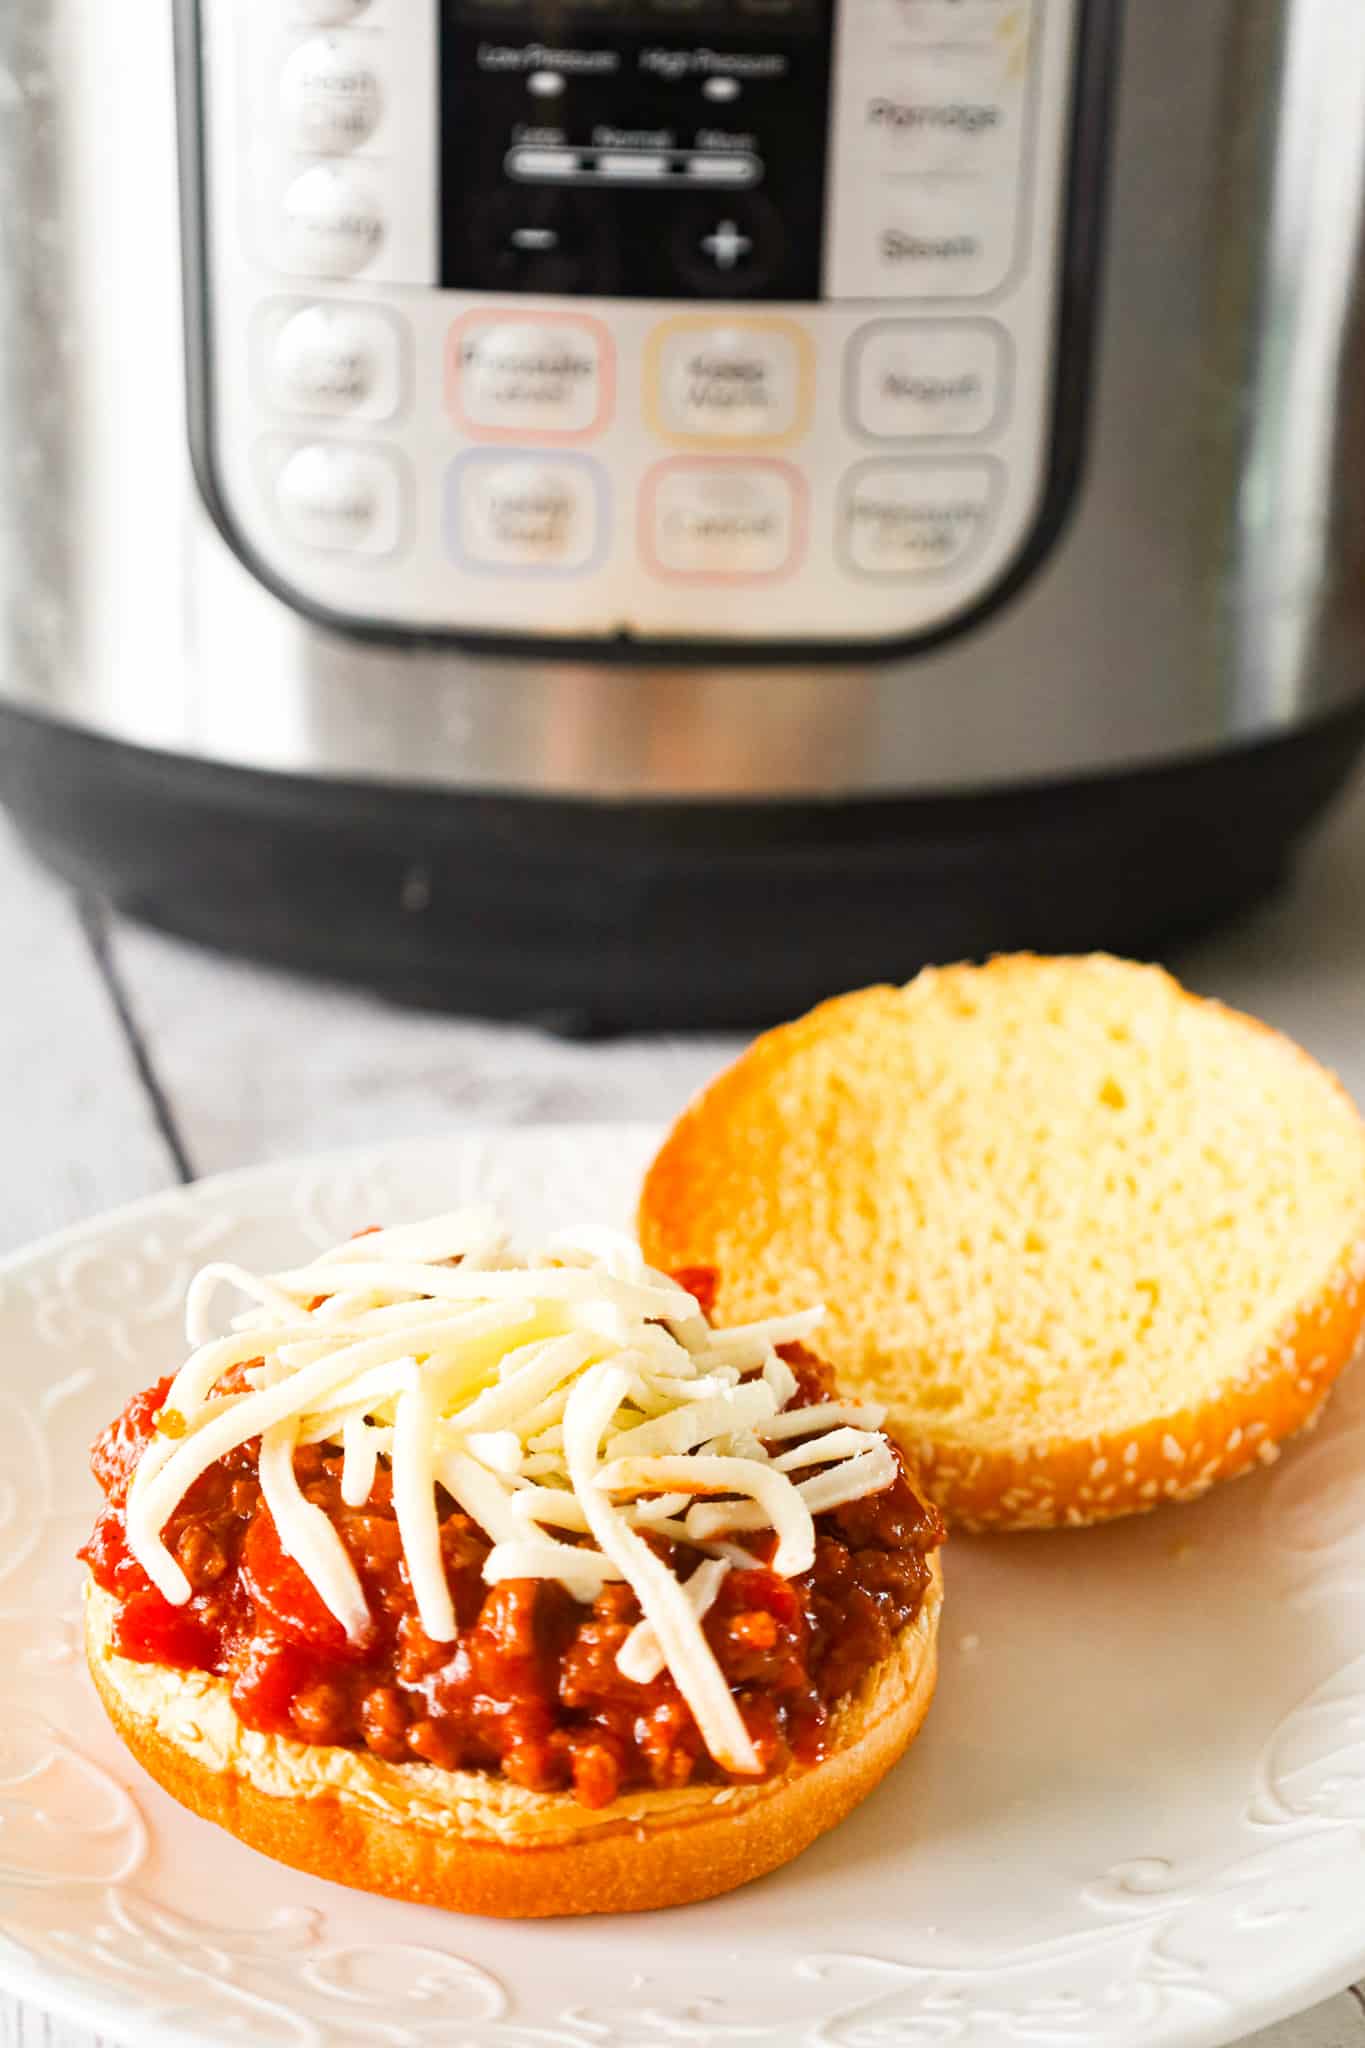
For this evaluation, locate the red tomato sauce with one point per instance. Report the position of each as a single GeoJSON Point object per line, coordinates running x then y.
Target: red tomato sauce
{"type": "Point", "coordinates": [530, 1687]}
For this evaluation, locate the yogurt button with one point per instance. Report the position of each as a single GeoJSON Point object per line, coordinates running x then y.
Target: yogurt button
{"type": "Point", "coordinates": [334, 225]}
{"type": "Point", "coordinates": [330, 96]}
{"type": "Point", "coordinates": [340, 498]}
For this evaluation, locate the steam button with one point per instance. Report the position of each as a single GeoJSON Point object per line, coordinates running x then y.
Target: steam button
{"type": "Point", "coordinates": [334, 226]}
{"type": "Point", "coordinates": [341, 498]}
{"type": "Point", "coordinates": [330, 96]}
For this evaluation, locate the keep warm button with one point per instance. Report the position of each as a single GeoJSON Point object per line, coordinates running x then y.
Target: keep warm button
{"type": "Point", "coordinates": [714, 382]}
{"type": "Point", "coordinates": [899, 519]}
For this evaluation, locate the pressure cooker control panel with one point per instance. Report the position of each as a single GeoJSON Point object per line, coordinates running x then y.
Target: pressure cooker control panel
{"type": "Point", "coordinates": [738, 321]}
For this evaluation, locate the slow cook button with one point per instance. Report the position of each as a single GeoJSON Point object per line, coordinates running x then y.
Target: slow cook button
{"type": "Point", "coordinates": [919, 379]}
{"type": "Point", "coordinates": [330, 95]}
{"type": "Point", "coordinates": [339, 497]}
{"type": "Point", "coordinates": [334, 225]}
{"type": "Point", "coordinates": [530, 377]}
{"type": "Point", "coordinates": [342, 361]}
{"type": "Point", "coordinates": [532, 514]}
{"type": "Point", "coordinates": [723, 522]}
{"type": "Point", "coordinates": [740, 381]}
{"type": "Point", "coordinates": [901, 519]}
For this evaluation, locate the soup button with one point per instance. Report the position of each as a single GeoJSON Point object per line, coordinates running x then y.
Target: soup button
{"type": "Point", "coordinates": [723, 522]}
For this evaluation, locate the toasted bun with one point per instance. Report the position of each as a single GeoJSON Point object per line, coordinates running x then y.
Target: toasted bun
{"type": "Point", "coordinates": [1095, 1242]}
{"type": "Point", "coordinates": [473, 1843]}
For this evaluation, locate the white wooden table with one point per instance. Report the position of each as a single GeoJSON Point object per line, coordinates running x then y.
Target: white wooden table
{"type": "Point", "coordinates": [128, 1062]}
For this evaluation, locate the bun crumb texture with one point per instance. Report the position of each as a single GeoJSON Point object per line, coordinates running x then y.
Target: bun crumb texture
{"type": "Point", "coordinates": [1096, 1242]}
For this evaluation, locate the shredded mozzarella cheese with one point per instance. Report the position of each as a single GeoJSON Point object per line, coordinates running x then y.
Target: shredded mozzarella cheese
{"type": "Point", "coordinates": [574, 1406]}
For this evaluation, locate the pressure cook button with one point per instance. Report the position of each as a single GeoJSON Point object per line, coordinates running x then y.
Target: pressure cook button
{"type": "Point", "coordinates": [341, 498]}
{"type": "Point", "coordinates": [337, 360]}
{"type": "Point", "coordinates": [722, 522]}
{"type": "Point", "coordinates": [334, 225]}
{"type": "Point", "coordinates": [917, 379]}
{"type": "Point", "coordinates": [546, 377]}
{"type": "Point", "coordinates": [899, 519]}
{"type": "Point", "coordinates": [534, 514]}
{"type": "Point", "coordinates": [330, 96]}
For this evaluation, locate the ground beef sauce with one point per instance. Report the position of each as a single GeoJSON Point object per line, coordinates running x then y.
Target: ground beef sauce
{"type": "Point", "coordinates": [530, 1688]}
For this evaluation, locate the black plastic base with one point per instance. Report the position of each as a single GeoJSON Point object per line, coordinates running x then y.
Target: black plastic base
{"type": "Point", "coordinates": [602, 917]}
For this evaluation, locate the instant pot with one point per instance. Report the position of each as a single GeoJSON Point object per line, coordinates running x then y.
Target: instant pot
{"type": "Point", "coordinates": [649, 511]}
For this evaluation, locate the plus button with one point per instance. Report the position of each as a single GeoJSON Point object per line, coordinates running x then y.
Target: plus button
{"type": "Point", "coordinates": [726, 245]}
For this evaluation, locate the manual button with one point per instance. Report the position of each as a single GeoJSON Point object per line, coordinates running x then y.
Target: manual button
{"type": "Point", "coordinates": [898, 519]}
{"type": "Point", "coordinates": [717, 383]}
{"type": "Point", "coordinates": [547, 378]}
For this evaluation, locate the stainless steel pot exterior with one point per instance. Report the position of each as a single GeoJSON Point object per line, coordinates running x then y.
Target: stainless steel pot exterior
{"type": "Point", "coordinates": [1210, 585]}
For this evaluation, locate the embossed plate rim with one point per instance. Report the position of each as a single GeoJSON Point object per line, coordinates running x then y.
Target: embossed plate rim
{"type": "Point", "coordinates": [1141, 1912]}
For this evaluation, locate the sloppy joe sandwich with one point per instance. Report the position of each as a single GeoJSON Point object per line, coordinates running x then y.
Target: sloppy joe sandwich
{"type": "Point", "coordinates": [510, 1585]}
{"type": "Point", "coordinates": [1094, 1242]}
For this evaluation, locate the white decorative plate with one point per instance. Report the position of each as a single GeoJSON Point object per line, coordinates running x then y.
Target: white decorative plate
{"type": "Point", "coordinates": [1137, 1814]}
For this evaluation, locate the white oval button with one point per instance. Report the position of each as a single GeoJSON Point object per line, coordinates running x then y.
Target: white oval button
{"type": "Point", "coordinates": [334, 226]}
{"type": "Point", "coordinates": [336, 360]}
{"type": "Point", "coordinates": [529, 376]}
{"type": "Point", "coordinates": [340, 498]}
{"type": "Point", "coordinates": [330, 96]}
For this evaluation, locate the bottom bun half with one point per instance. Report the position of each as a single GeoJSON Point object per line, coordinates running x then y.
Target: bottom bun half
{"type": "Point", "coordinates": [471, 1842]}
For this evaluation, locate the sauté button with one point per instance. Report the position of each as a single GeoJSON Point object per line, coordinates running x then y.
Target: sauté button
{"type": "Point", "coordinates": [916, 379]}
{"type": "Point", "coordinates": [737, 381]}
{"type": "Point", "coordinates": [334, 225]}
{"type": "Point", "coordinates": [530, 377]}
{"type": "Point", "coordinates": [341, 498]}
{"type": "Point", "coordinates": [900, 519]}
{"type": "Point", "coordinates": [330, 95]}
{"type": "Point", "coordinates": [722, 522]}
{"type": "Point", "coordinates": [531, 513]}
{"type": "Point", "coordinates": [339, 360]}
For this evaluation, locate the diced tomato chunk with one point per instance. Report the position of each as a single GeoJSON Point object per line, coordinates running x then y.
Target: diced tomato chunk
{"type": "Point", "coordinates": [112, 1564]}
{"type": "Point", "coordinates": [151, 1631]}
{"type": "Point", "coordinates": [286, 1598]}
{"type": "Point", "coordinates": [116, 1450]}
